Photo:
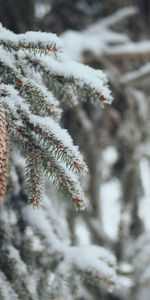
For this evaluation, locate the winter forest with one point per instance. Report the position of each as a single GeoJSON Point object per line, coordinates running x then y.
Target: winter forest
{"type": "Point", "coordinates": [74, 150]}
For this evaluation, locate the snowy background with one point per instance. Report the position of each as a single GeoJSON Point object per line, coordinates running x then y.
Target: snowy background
{"type": "Point", "coordinates": [102, 252]}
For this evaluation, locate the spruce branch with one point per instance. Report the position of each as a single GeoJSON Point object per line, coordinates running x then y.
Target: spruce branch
{"type": "Point", "coordinates": [61, 177]}
{"type": "Point", "coordinates": [116, 19]}
{"type": "Point", "coordinates": [33, 110]}
{"type": "Point", "coordinates": [34, 177]}
{"type": "Point", "coordinates": [35, 42]}
{"type": "Point", "coordinates": [41, 100]}
{"type": "Point", "coordinates": [129, 51]}
{"type": "Point", "coordinates": [47, 130]}
{"type": "Point", "coordinates": [93, 86]}
{"type": "Point", "coordinates": [137, 76]}
{"type": "Point", "coordinates": [27, 133]}
{"type": "Point", "coordinates": [64, 180]}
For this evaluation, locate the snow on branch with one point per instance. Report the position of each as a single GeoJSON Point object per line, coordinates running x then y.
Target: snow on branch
{"type": "Point", "coordinates": [56, 171]}
{"type": "Point", "coordinates": [136, 76]}
{"type": "Point", "coordinates": [41, 100]}
{"type": "Point", "coordinates": [139, 255]}
{"type": "Point", "coordinates": [96, 42]}
{"type": "Point", "coordinates": [36, 42]}
{"type": "Point", "coordinates": [6, 289]}
{"type": "Point", "coordinates": [115, 19]}
{"type": "Point", "coordinates": [93, 263]}
{"type": "Point", "coordinates": [130, 50]}
{"type": "Point", "coordinates": [81, 77]}
{"type": "Point", "coordinates": [33, 111]}
{"type": "Point", "coordinates": [57, 139]}
{"type": "Point", "coordinates": [21, 275]}
{"type": "Point", "coordinates": [51, 143]}
{"type": "Point", "coordinates": [99, 36]}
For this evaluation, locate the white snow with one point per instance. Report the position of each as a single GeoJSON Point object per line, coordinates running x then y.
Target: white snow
{"type": "Point", "coordinates": [38, 219]}
{"type": "Point", "coordinates": [41, 9]}
{"type": "Point", "coordinates": [45, 39]}
{"type": "Point", "coordinates": [96, 261]}
{"type": "Point", "coordinates": [141, 73]}
{"type": "Point", "coordinates": [7, 291]}
{"type": "Point", "coordinates": [96, 37]}
{"type": "Point", "coordinates": [84, 75]}
{"type": "Point", "coordinates": [6, 57]}
{"type": "Point", "coordinates": [82, 232]}
{"type": "Point", "coordinates": [145, 201]}
{"type": "Point", "coordinates": [130, 48]}
{"type": "Point", "coordinates": [47, 95]}
{"type": "Point", "coordinates": [13, 99]}
{"type": "Point", "coordinates": [109, 155]}
{"type": "Point", "coordinates": [19, 264]}
{"type": "Point", "coordinates": [61, 135]}
{"type": "Point", "coordinates": [110, 205]}
{"type": "Point", "coordinates": [118, 17]}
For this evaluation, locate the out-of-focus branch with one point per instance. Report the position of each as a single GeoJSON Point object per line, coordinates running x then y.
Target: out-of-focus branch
{"type": "Point", "coordinates": [136, 76]}
{"type": "Point", "coordinates": [115, 19]}
{"type": "Point", "coordinates": [130, 50]}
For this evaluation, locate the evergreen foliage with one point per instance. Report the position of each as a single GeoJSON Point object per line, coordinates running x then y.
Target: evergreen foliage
{"type": "Point", "coordinates": [48, 253]}
{"type": "Point", "coordinates": [38, 261]}
{"type": "Point", "coordinates": [31, 113]}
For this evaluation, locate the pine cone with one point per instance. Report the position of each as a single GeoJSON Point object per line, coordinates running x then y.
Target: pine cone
{"type": "Point", "coordinates": [4, 151]}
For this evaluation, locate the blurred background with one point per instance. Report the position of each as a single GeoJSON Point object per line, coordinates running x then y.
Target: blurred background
{"type": "Point", "coordinates": [115, 141]}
